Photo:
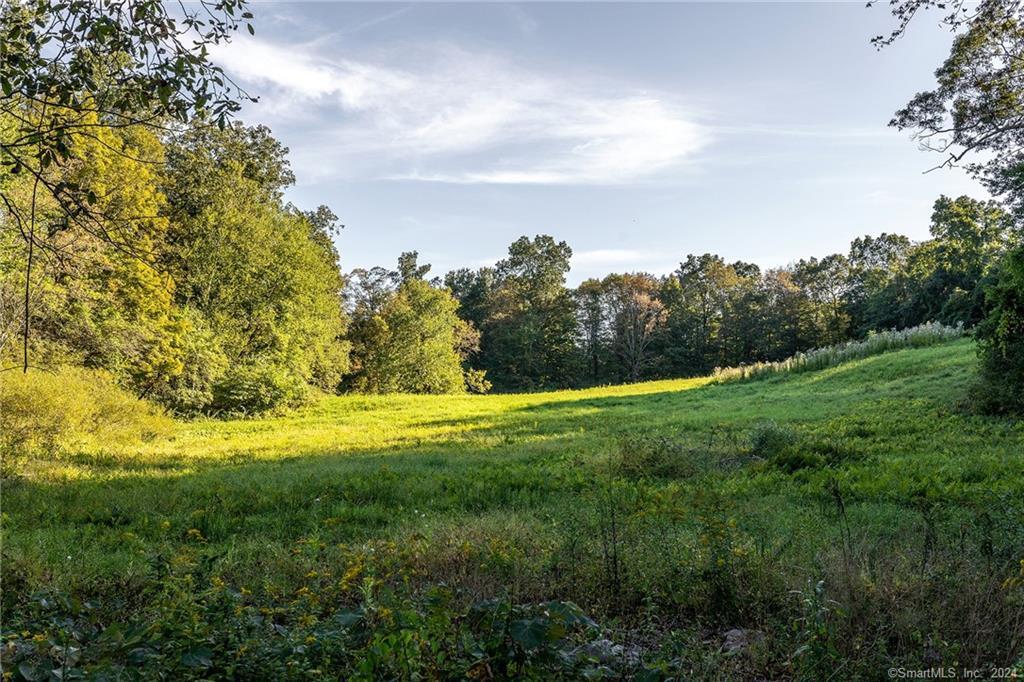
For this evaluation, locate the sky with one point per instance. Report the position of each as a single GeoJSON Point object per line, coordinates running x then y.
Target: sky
{"type": "Point", "coordinates": [636, 132]}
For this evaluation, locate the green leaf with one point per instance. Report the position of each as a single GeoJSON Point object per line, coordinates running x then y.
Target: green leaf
{"type": "Point", "coordinates": [31, 672]}
{"type": "Point", "coordinates": [348, 619]}
{"type": "Point", "coordinates": [649, 675]}
{"type": "Point", "coordinates": [568, 613]}
{"type": "Point", "coordinates": [200, 657]}
{"type": "Point", "coordinates": [530, 634]}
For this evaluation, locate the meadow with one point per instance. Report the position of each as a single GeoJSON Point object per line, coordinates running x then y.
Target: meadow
{"type": "Point", "coordinates": [817, 525]}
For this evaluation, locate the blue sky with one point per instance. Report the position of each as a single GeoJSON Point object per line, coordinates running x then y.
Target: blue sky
{"type": "Point", "coordinates": [636, 132]}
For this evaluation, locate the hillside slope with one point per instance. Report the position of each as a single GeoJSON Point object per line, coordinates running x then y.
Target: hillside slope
{"type": "Point", "coordinates": [675, 509]}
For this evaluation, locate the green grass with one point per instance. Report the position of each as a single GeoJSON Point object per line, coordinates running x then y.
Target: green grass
{"type": "Point", "coordinates": [927, 334]}
{"type": "Point", "coordinates": [888, 490]}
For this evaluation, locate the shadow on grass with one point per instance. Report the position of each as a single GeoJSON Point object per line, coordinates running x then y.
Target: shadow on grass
{"type": "Point", "coordinates": [532, 458]}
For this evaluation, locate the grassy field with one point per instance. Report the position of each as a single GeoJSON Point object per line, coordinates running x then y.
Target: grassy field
{"type": "Point", "coordinates": [830, 523]}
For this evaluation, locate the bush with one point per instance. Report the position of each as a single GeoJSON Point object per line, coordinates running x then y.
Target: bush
{"type": "Point", "coordinates": [258, 387]}
{"type": "Point", "coordinates": [211, 384]}
{"type": "Point", "coordinates": [1001, 340]}
{"type": "Point", "coordinates": [645, 454]}
{"type": "Point", "coordinates": [45, 414]}
{"type": "Point", "coordinates": [222, 633]}
{"type": "Point", "coordinates": [476, 380]}
{"type": "Point", "coordinates": [785, 450]}
{"type": "Point", "coordinates": [652, 454]}
{"type": "Point", "coordinates": [768, 439]}
{"type": "Point", "coordinates": [204, 363]}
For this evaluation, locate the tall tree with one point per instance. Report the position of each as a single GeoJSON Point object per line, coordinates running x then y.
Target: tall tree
{"type": "Point", "coordinates": [975, 115]}
{"type": "Point", "coordinates": [407, 334]}
{"type": "Point", "coordinates": [261, 277]}
{"type": "Point", "coordinates": [784, 312]}
{"type": "Point", "coordinates": [826, 282]}
{"type": "Point", "coordinates": [473, 290]}
{"type": "Point", "coordinates": [635, 314]}
{"type": "Point", "coordinates": [530, 332]}
{"type": "Point", "coordinates": [69, 69]}
{"type": "Point", "coordinates": [741, 317]}
{"type": "Point", "coordinates": [594, 325]}
{"type": "Point", "coordinates": [409, 268]}
{"type": "Point", "coordinates": [876, 291]}
{"type": "Point", "coordinates": [968, 237]}
{"type": "Point", "coordinates": [695, 297]}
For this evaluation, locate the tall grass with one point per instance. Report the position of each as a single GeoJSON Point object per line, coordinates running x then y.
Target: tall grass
{"type": "Point", "coordinates": [46, 414]}
{"type": "Point", "coordinates": [927, 334]}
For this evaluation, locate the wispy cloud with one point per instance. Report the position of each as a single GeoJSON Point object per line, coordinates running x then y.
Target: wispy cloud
{"type": "Point", "coordinates": [443, 114]}
{"type": "Point", "coordinates": [376, 21]}
{"type": "Point", "coordinates": [526, 24]}
{"type": "Point", "coordinates": [829, 133]}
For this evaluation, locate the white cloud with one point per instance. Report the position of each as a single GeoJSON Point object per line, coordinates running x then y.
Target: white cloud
{"type": "Point", "coordinates": [867, 135]}
{"type": "Point", "coordinates": [447, 115]}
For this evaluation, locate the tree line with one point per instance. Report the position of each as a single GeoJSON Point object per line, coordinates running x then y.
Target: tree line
{"type": "Point", "coordinates": [206, 291]}
{"type": "Point", "coordinates": [708, 313]}
{"type": "Point", "coordinates": [144, 233]}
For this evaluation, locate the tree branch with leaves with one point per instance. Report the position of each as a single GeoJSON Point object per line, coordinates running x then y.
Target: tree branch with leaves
{"type": "Point", "coordinates": [69, 69]}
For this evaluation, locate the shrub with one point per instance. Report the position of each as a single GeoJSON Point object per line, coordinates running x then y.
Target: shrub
{"type": "Point", "coordinates": [645, 454]}
{"type": "Point", "coordinates": [1001, 340]}
{"type": "Point", "coordinates": [221, 633]}
{"type": "Point", "coordinates": [204, 363]}
{"type": "Point", "coordinates": [476, 380]}
{"type": "Point", "coordinates": [682, 455]}
{"type": "Point", "coordinates": [927, 334]}
{"type": "Point", "coordinates": [49, 413]}
{"type": "Point", "coordinates": [785, 450]}
{"type": "Point", "coordinates": [768, 439]}
{"type": "Point", "coordinates": [793, 460]}
{"type": "Point", "coordinates": [257, 387]}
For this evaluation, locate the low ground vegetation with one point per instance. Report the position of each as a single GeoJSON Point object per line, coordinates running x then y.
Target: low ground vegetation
{"type": "Point", "coordinates": [849, 519]}
{"type": "Point", "coordinates": [47, 415]}
{"type": "Point", "coordinates": [927, 334]}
